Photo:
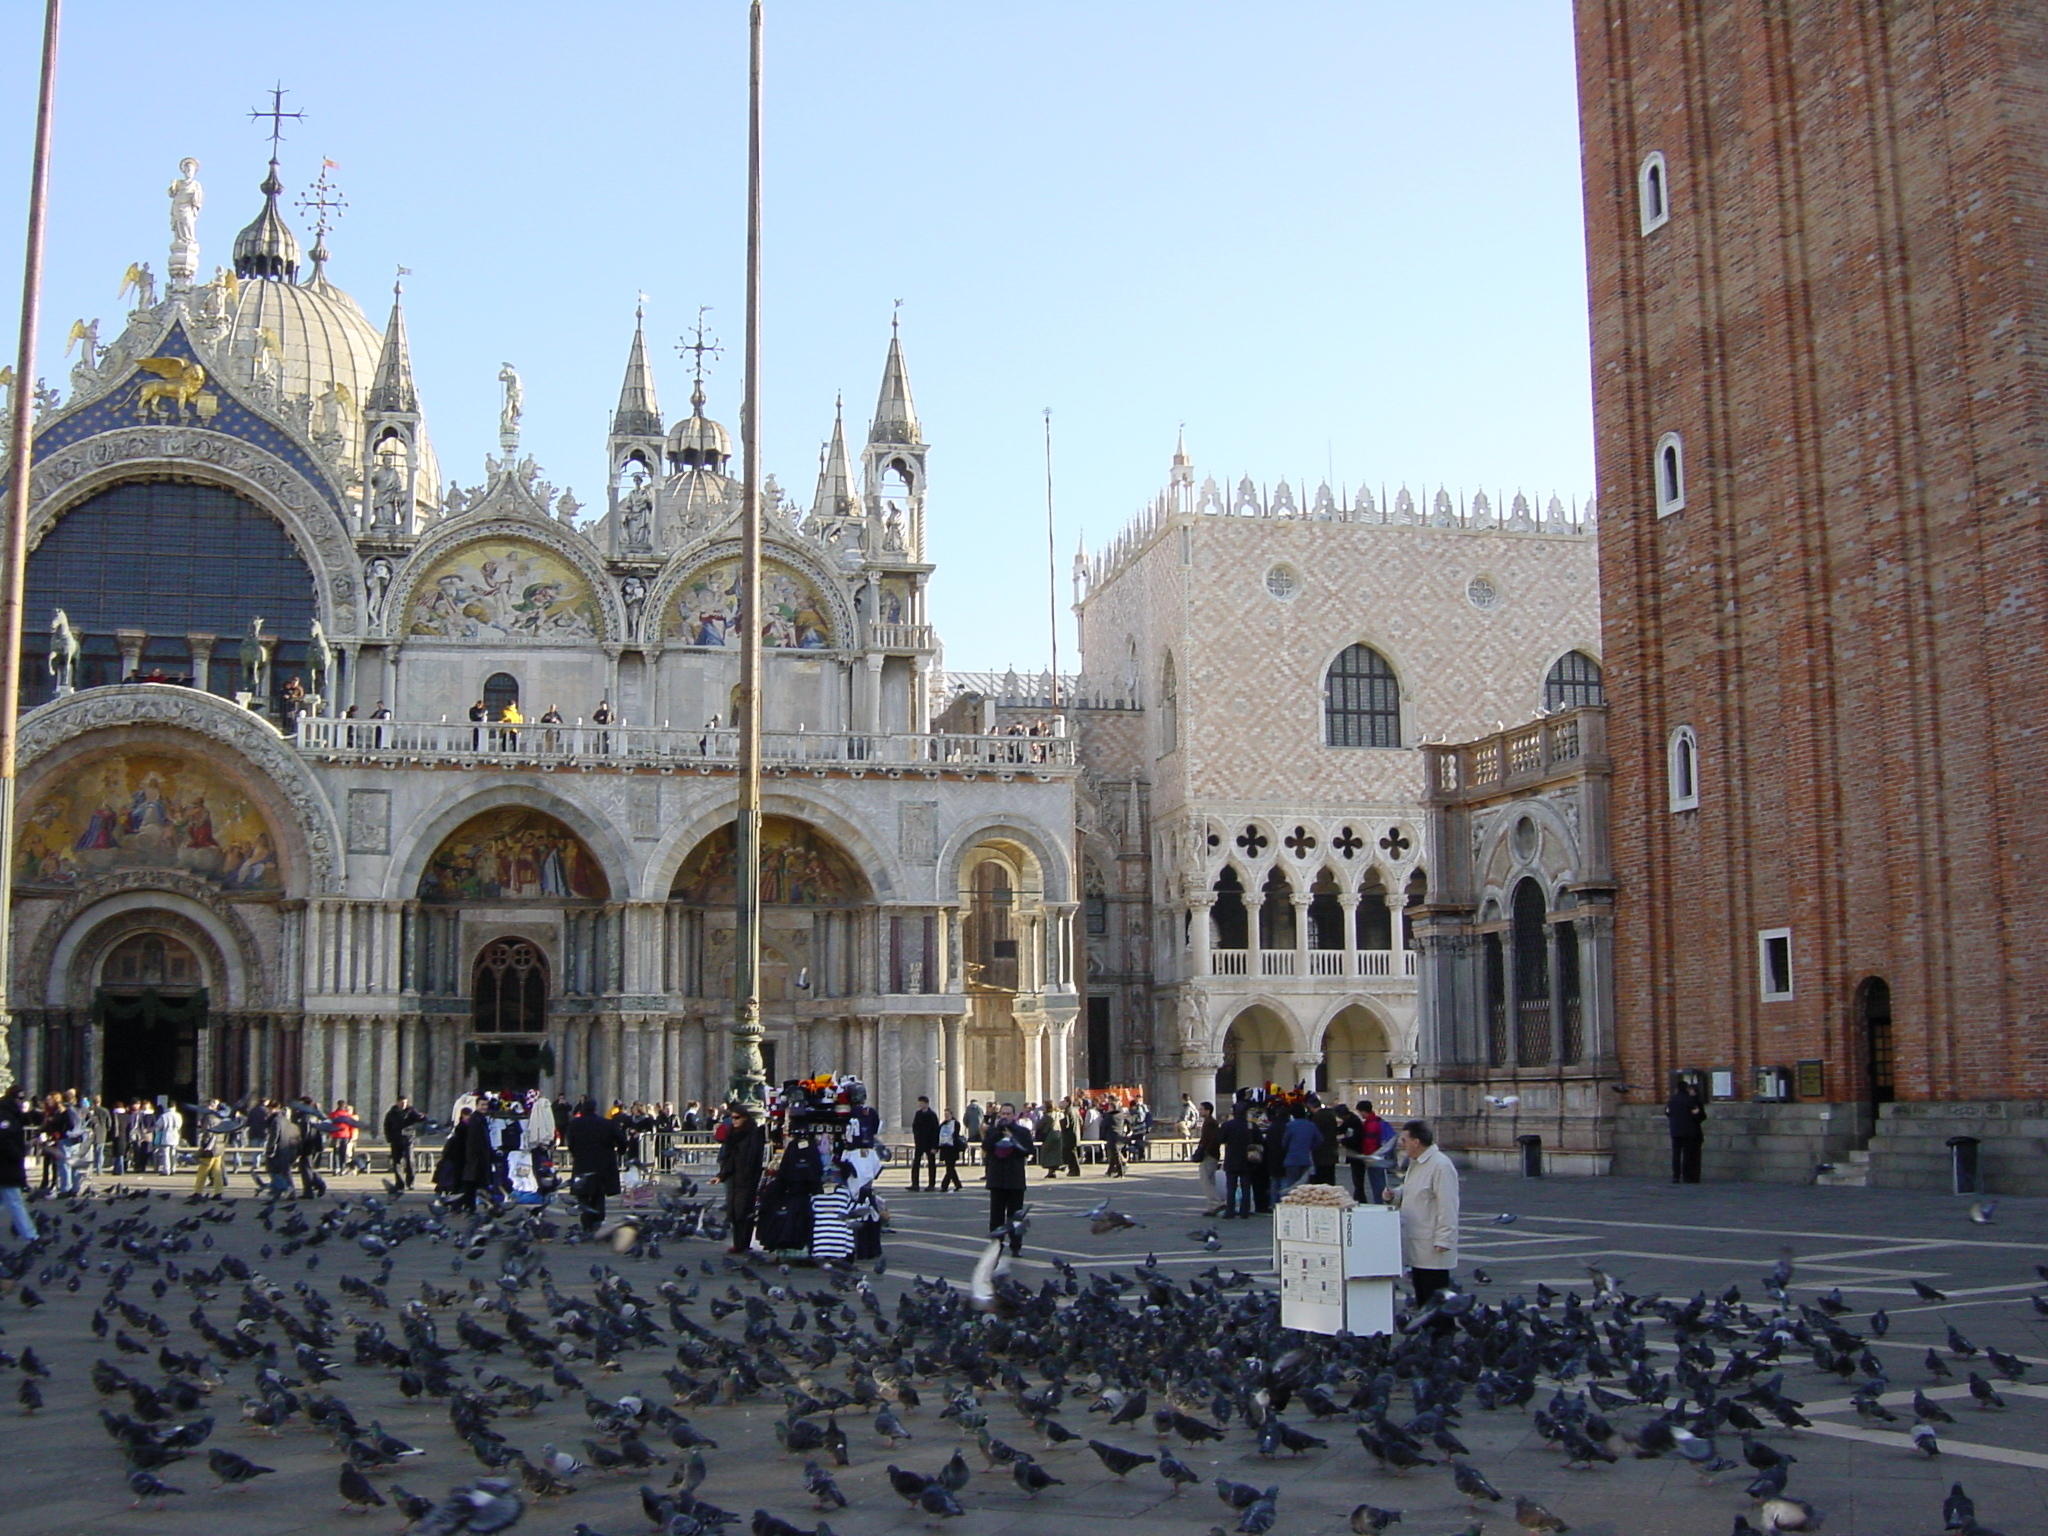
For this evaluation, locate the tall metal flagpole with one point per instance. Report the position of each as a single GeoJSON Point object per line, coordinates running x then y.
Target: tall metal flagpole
{"type": "Point", "coordinates": [14, 557]}
{"type": "Point", "coordinates": [749, 1082]}
{"type": "Point", "coordinates": [1052, 567]}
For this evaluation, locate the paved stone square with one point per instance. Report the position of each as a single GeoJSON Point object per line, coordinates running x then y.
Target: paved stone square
{"type": "Point", "coordinates": [65, 1474]}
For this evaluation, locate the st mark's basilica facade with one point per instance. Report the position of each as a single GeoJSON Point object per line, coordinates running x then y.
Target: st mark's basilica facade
{"type": "Point", "coordinates": [493, 843]}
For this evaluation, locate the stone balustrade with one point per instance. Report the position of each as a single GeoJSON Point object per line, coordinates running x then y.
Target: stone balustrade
{"type": "Point", "coordinates": [619, 746]}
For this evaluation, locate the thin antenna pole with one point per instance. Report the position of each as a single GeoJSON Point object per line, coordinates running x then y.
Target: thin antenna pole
{"type": "Point", "coordinates": [1052, 571]}
{"type": "Point", "coordinates": [749, 1083]}
{"type": "Point", "coordinates": [14, 558]}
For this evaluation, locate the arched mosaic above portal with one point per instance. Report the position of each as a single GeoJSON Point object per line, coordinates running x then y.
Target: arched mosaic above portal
{"type": "Point", "coordinates": [503, 589]}
{"type": "Point", "coordinates": [705, 610]}
{"type": "Point", "coordinates": [513, 854]}
{"type": "Point", "coordinates": [145, 811]}
{"type": "Point", "coordinates": [800, 867]}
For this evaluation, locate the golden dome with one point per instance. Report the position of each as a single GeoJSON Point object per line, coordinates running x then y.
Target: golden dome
{"type": "Point", "coordinates": [321, 339]}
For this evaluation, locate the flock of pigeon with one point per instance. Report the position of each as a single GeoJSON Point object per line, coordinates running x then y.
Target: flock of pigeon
{"type": "Point", "coordinates": [1138, 1372]}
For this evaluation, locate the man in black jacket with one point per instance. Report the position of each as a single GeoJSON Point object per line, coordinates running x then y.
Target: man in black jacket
{"type": "Point", "coordinates": [595, 1143]}
{"type": "Point", "coordinates": [740, 1159]}
{"type": "Point", "coordinates": [1006, 1151]}
{"type": "Point", "coordinates": [399, 1121]}
{"type": "Point", "coordinates": [1340, 1132]}
{"type": "Point", "coordinates": [1687, 1117]}
{"type": "Point", "coordinates": [924, 1144]}
{"type": "Point", "coordinates": [1243, 1148]}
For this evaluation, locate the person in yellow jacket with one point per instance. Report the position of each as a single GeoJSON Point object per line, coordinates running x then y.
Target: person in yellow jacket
{"type": "Point", "coordinates": [1428, 1203]}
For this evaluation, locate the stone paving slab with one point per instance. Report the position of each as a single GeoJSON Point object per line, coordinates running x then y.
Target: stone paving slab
{"type": "Point", "coordinates": [64, 1476]}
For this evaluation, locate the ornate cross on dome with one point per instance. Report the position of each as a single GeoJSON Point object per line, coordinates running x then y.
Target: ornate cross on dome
{"type": "Point", "coordinates": [277, 116]}
{"type": "Point", "coordinates": [325, 202]}
{"type": "Point", "coordinates": [702, 344]}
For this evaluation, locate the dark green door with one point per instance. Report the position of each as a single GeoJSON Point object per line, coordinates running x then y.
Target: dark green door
{"type": "Point", "coordinates": [149, 1043]}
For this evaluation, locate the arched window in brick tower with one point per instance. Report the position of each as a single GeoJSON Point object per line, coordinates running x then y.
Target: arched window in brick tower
{"type": "Point", "coordinates": [1361, 700]}
{"type": "Point", "coordinates": [1682, 766]}
{"type": "Point", "coordinates": [1670, 472]}
{"type": "Point", "coordinates": [1653, 191]}
{"type": "Point", "coordinates": [1573, 683]}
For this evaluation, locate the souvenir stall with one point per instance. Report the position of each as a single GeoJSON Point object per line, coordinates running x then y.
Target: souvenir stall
{"type": "Point", "coordinates": [825, 1158]}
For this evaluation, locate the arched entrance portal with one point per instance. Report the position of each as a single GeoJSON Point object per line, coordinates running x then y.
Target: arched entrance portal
{"type": "Point", "coordinates": [150, 1007]}
{"type": "Point", "coordinates": [1257, 1050]}
{"type": "Point", "coordinates": [812, 941]}
{"type": "Point", "coordinates": [509, 996]}
{"type": "Point", "coordinates": [1354, 1051]}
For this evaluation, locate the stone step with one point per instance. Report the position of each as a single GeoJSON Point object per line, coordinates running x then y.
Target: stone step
{"type": "Point", "coordinates": [1860, 1157]}
{"type": "Point", "coordinates": [1845, 1176]}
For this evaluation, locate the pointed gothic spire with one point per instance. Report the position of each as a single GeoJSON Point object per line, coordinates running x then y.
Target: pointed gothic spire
{"type": "Point", "coordinates": [267, 247]}
{"type": "Point", "coordinates": [639, 412]}
{"type": "Point", "coordinates": [391, 389]}
{"type": "Point", "coordinates": [836, 497]}
{"type": "Point", "coordinates": [895, 415]}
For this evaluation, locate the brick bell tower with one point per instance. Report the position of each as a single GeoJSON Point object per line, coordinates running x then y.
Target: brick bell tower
{"type": "Point", "coordinates": [1817, 248]}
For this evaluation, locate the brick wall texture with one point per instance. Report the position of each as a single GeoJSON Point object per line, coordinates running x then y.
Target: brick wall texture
{"type": "Point", "coordinates": [1844, 317]}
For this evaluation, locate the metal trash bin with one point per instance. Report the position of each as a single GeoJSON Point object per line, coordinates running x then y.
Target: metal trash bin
{"type": "Point", "coordinates": [1532, 1156]}
{"type": "Point", "coordinates": [1962, 1151]}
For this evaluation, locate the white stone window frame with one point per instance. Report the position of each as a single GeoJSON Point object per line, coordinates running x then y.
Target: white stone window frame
{"type": "Point", "coordinates": [1769, 943]}
{"type": "Point", "coordinates": [1682, 768]}
{"type": "Point", "coordinates": [1653, 192]}
{"type": "Point", "coordinates": [1667, 467]}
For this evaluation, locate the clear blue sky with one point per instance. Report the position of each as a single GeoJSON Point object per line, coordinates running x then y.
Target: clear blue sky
{"type": "Point", "coordinates": [1331, 236]}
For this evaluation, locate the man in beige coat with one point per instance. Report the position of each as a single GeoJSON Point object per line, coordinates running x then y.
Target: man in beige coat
{"type": "Point", "coordinates": [1428, 1202]}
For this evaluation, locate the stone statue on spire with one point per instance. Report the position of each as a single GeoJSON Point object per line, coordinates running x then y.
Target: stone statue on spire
{"type": "Point", "coordinates": [513, 409]}
{"type": "Point", "coordinates": [187, 197]}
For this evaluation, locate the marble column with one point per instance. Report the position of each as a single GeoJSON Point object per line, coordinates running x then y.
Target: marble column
{"type": "Point", "coordinates": [1596, 984]}
{"type": "Point", "coordinates": [1511, 1003]}
{"type": "Point", "coordinates": [201, 647]}
{"type": "Point", "coordinates": [1034, 1061]}
{"type": "Point", "coordinates": [956, 1063]}
{"type": "Point", "coordinates": [1305, 1064]}
{"type": "Point", "coordinates": [1550, 947]}
{"type": "Point", "coordinates": [933, 1084]}
{"type": "Point", "coordinates": [1198, 1071]}
{"type": "Point", "coordinates": [890, 1099]}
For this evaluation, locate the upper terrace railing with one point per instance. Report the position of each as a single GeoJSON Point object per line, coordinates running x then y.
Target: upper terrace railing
{"type": "Point", "coordinates": [1012, 689]}
{"type": "Point", "coordinates": [628, 746]}
{"type": "Point", "coordinates": [1517, 757]}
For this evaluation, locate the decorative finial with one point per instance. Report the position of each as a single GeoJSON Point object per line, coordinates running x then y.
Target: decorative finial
{"type": "Point", "coordinates": [639, 309]}
{"type": "Point", "coordinates": [278, 117]}
{"type": "Point", "coordinates": [896, 318]}
{"type": "Point", "coordinates": [325, 202]}
{"type": "Point", "coordinates": [701, 345]}
{"type": "Point", "coordinates": [398, 281]}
